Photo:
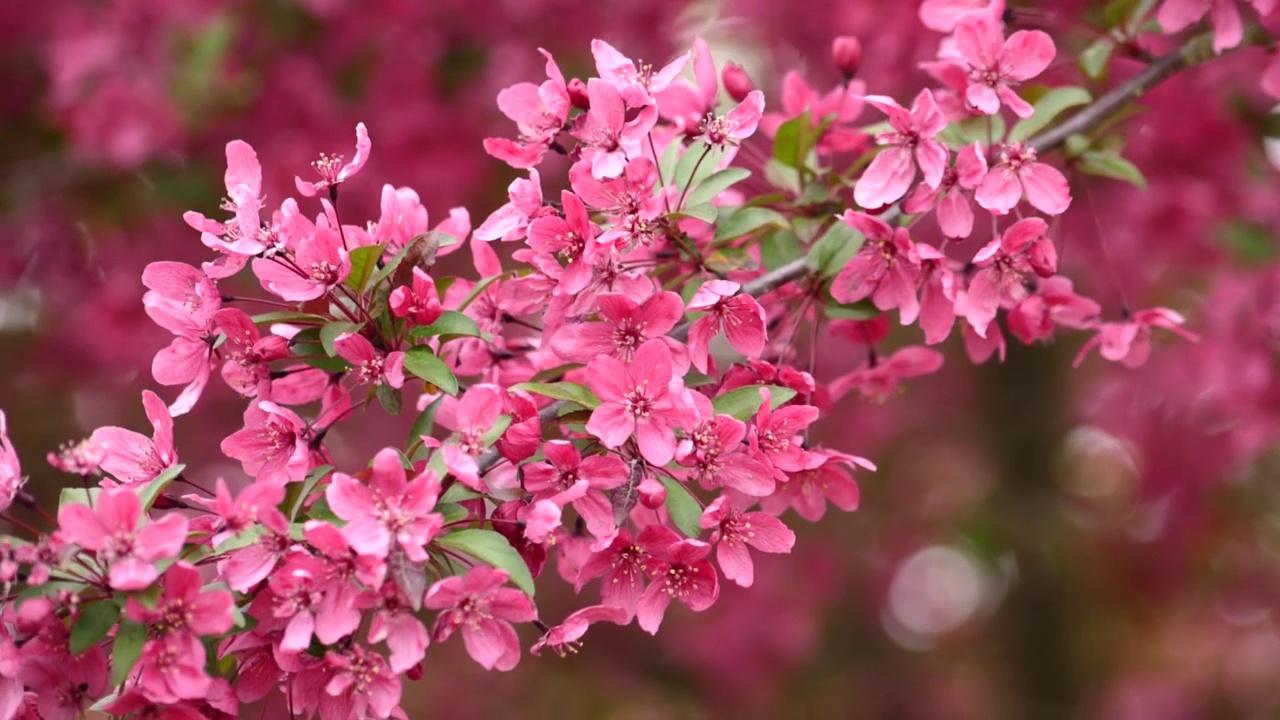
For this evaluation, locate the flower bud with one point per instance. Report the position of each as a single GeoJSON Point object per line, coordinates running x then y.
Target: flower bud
{"type": "Point", "coordinates": [736, 82]}
{"type": "Point", "coordinates": [1044, 258]}
{"type": "Point", "coordinates": [846, 55]}
{"type": "Point", "coordinates": [653, 494]}
{"type": "Point", "coordinates": [578, 94]}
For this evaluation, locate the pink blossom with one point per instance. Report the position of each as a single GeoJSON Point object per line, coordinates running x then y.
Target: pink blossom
{"type": "Point", "coordinates": [545, 514]}
{"type": "Point", "coordinates": [387, 509]}
{"type": "Point", "coordinates": [184, 607]}
{"type": "Point", "coordinates": [738, 125]}
{"type": "Point", "coordinates": [622, 563]}
{"type": "Point", "coordinates": [64, 686]}
{"type": "Point", "coordinates": [511, 221]}
{"type": "Point", "coordinates": [271, 447]}
{"type": "Point", "coordinates": [680, 572]}
{"type": "Point", "coordinates": [539, 112]}
{"type": "Point", "coordinates": [955, 216]}
{"type": "Point", "coordinates": [1002, 265]}
{"type": "Point", "coordinates": [842, 104]}
{"type": "Point", "coordinates": [608, 139]}
{"type": "Point", "coordinates": [886, 268]}
{"type": "Point", "coordinates": [242, 236]}
{"type": "Point", "coordinates": [937, 294]}
{"type": "Point", "coordinates": [626, 326]}
{"type": "Point", "coordinates": [979, 349]}
{"type": "Point", "coordinates": [362, 686]}
{"type": "Point", "coordinates": [733, 530]}
{"type": "Point", "coordinates": [332, 171]}
{"type": "Point", "coordinates": [419, 302]}
{"type": "Point", "coordinates": [182, 300]}
{"type": "Point", "coordinates": [716, 457]}
{"type": "Point", "coordinates": [1224, 15]}
{"type": "Point", "coordinates": [247, 354]}
{"type": "Point", "coordinates": [474, 416]}
{"type": "Point", "coordinates": [941, 15]}
{"type": "Point", "coordinates": [320, 263]}
{"type": "Point", "coordinates": [630, 194]}
{"type": "Point", "coordinates": [566, 467]}
{"type": "Point", "coordinates": [909, 144]}
{"type": "Point", "coordinates": [113, 530]}
{"type": "Point", "coordinates": [995, 64]}
{"type": "Point", "coordinates": [687, 105]}
{"type": "Point", "coordinates": [372, 366]}
{"type": "Point", "coordinates": [637, 400]}
{"type": "Point", "coordinates": [1054, 303]}
{"type": "Point", "coordinates": [132, 457]}
{"type": "Point", "coordinates": [571, 238]}
{"type": "Point", "coordinates": [11, 477]}
{"type": "Point", "coordinates": [1018, 173]}
{"type": "Point", "coordinates": [255, 504]}
{"type": "Point", "coordinates": [567, 636]}
{"type": "Point", "coordinates": [1129, 342]}
{"type": "Point", "coordinates": [479, 605]}
{"type": "Point", "coordinates": [738, 315]}
{"type": "Point", "coordinates": [825, 478]}
{"type": "Point", "coordinates": [774, 440]}
{"type": "Point", "coordinates": [880, 378]}
{"type": "Point", "coordinates": [637, 85]}
{"type": "Point", "coordinates": [395, 624]}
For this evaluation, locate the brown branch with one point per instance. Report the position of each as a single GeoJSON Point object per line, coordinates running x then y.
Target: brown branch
{"type": "Point", "coordinates": [1196, 51]}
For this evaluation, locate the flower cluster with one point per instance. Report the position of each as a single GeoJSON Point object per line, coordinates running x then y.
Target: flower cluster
{"type": "Point", "coordinates": [622, 395]}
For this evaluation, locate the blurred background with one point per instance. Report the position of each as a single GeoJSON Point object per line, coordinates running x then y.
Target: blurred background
{"type": "Point", "coordinates": [1039, 542]}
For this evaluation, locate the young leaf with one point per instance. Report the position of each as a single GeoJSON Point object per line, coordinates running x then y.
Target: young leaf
{"type": "Point", "coordinates": [95, 621]}
{"type": "Point", "coordinates": [449, 323]}
{"type": "Point", "coordinates": [1110, 164]}
{"type": "Point", "coordinates": [744, 402]}
{"type": "Point", "coordinates": [570, 391]}
{"type": "Point", "coordinates": [389, 398]}
{"type": "Point", "coordinates": [747, 220]}
{"type": "Point", "coordinates": [425, 423]}
{"type": "Point", "coordinates": [716, 183]}
{"type": "Point", "coordinates": [684, 510]}
{"type": "Point", "coordinates": [330, 332]}
{"type": "Point", "coordinates": [793, 140]}
{"type": "Point", "coordinates": [493, 549]}
{"type": "Point", "coordinates": [423, 363]}
{"type": "Point", "coordinates": [153, 489]}
{"type": "Point", "coordinates": [364, 261]}
{"type": "Point", "coordinates": [79, 496]}
{"type": "Point", "coordinates": [1093, 60]}
{"type": "Point", "coordinates": [313, 478]}
{"type": "Point", "coordinates": [126, 649]}
{"type": "Point", "coordinates": [833, 250]}
{"type": "Point", "coordinates": [1050, 105]}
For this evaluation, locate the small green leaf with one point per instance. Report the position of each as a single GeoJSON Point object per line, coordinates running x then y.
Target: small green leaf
{"type": "Point", "coordinates": [452, 513]}
{"type": "Point", "coordinates": [974, 129]}
{"type": "Point", "coordinates": [711, 187]}
{"type": "Point", "coordinates": [833, 250]}
{"type": "Point", "coordinates": [744, 402]}
{"type": "Point", "coordinates": [792, 141]}
{"type": "Point", "coordinates": [458, 492]}
{"type": "Point", "coordinates": [747, 220]}
{"type": "Point", "coordinates": [79, 496]}
{"type": "Point", "coordinates": [779, 247]}
{"type": "Point", "coordinates": [698, 162]}
{"type": "Point", "coordinates": [329, 333]}
{"type": "Point", "coordinates": [389, 398]}
{"type": "Point", "coordinates": [729, 259]}
{"type": "Point", "coordinates": [287, 316]}
{"type": "Point", "coordinates": [706, 212]}
{"type": "Point", "coordinates": [683, 508]}
{"type": "Point", "coordinates": [308, 485]}
{"type": "Point", "coordinates": [449, 323]}
{"type": "Point", "coordinates": [423, 363]}
{"type": "Point", "coordinates": [493, 549]}
{"type": "Point", "coordinates": [1094, 59]}
{"type": "Point", "coordinates": [364, 261]}
{"type": "Point", "coordinates": [318, 358]}
{"type": "Point", "coordinates": [1050, 105]}
{"type": "Point", "coordinates": [94, 622]}
{"type": "Point", "coordinates": [425, 423]}
{"type": "Point", "coordinates": [126, 648]}
{"type": "Point", "coordinates": [569, 391]}
{"type": "Point", "coordinates": [860, 310]}
{"type": "Point", "coordinates": [153, 489]}
{"type": "Point", "coordinates": [670, 157]}
{"type": "Point", "coordinates": [1110, 164]}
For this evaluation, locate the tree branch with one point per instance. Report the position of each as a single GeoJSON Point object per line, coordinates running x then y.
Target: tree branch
{"type": "Point", "coordinates": [1196, 51]}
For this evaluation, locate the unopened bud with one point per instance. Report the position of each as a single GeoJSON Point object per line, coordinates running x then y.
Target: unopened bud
{"type": "Point", "coordinates": [578, 94]}
{"type": "Point", "coordinates": [846, 55]}
{"type": "Point", "coordinates": [653, 494]}
{"type": "Point", "coordinates": [736, 82]}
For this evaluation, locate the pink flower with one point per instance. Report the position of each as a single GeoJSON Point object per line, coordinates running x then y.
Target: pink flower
{"type": "Point", "coordinates": [571, 238]}
{"type": "Point", "coordinates": [738, 315]}
{"type": "Point", "coordinates": [132, 457]}
{"type": "Point", "coordinates": [243, 179]}
{"type": "Point", "coordinates": [474, 416]}
{"type": "Point", "coordinates": [910, 143]}
{"type": "Point", "coordinates": [1054, 303]}
{"type": "Point", "coordinates": [372, 366]}
{"type": "Point", "coordinates": [545, 515]}
{"type": "Point", "coordinates": [627, 325]}
{"type": "Point", "coordinates": [246, 352]}
{"type": "Point", "coordinates": [714, 454]}
{"type": "Point", "coordinates": [182, 300]}
{"type": "Point", "coordinates": [511, 221]}
{"type": "Point", "coordinates": [637, 400]}
{"type": "Point", "coordinates": [172, 668]}
{"type": "Point", "coordinates": [184, 607]}
{"type": "Point", "coordinates": [63, 685]}
{"type": "Point", "coordinates": [332, 172]}
{"type": "Point", "coordinates": [733, 530]}
{"type": "Point", "coordinates": [941, 15]}
{"type": "Point", "coordinates": [636, 85]}
{"type": "Point", "coordinates": [826, 477]}
{"type": "Point", "coordinates": [995, 64]}
{"type": "Point", "coordinates": [567, 636]}
{"type": "Point", "coordinates": [112, 530]}
{"type": "Point", "coordinates": [774, 440]}
{"type": "Point", "coordinates": [255, 504]}
{"type": "Point", "coordinates": [11, 477]}
{"type": "Point", "coordinates": [419, 302]}
{"type": "Point", "coordinates": [1002, 265]}
{"type": "Point", "coordinates": [880, 378]}
{"type": "Point", "coordinates": [387, 509]}
{"type": "Point", "coordinates": [608, 139]}
{"type": "Point", "coordinates": [396, 624]}
{"type": "Point", "coordinates": [937, 294]}
{"type": "Point", "coordinates": [886, 268]}
{"type": "Point", "coordinates": [738, 125]}
{"type": "Point", "coordinates": [1019, 173]}
{"type": "Point", "coordinates": [565, 469]}
{"type": "Point", "coordinates": [686, 105]}
{"type": "Point", "coordinates": [320, 263]}
{"type": "Point", "coordinates": [622, 564]}
{"type": "Point", "coordinates": [843, 104]}
{"type": "Point", "coordinates": [1129, 342]}
{"type": "Point", "coordinates": [1224, 15]}
{"type": "Point", "coordinates": [539, 112]}
{"type": "Point", "coordinates": [479, 605]}
{"type": "Point", "coordinates": [361, 686]}
{"type": "Point", "coordinates": [955, 216]}
{"type": "Point", "coordinates": [271, 447]}
{"type": "Point", "coordinates": [680, 572]}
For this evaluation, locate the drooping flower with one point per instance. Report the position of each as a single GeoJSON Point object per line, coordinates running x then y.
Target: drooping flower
{"type": "Point", "coordinates": [1129, 342]}
{"type": "Point", "coordinates": [825, 477]}
{"type": "Point", "coordinates": [680, 572]}
{"type": "Point", "coordinates": [388, 509]}
{"type": "Point", "coordinates": [955, 216]}
{"type": "Point", "coordinates": [996, 64]}
{"type": "Point", "coordinates": [567, 636]}
{"type": "Point", "coordinates": [115, 530]}
{"type": "Point", "coordinates": [132, 457]}
{"type": "Point", "coordinates": [1019, 173]}
{"type": "Point", "coordinates": [879, 377]}
{"type": "Point", "coordinates": [479, 606]}
{"type": "Point", "coordinates": [1002, 265]}
{"type": "Point", "coordinates": [909, 144]}
{"type": "Point", "coordinates": [733, 530]}
{"type": "Point", "coordinates": [886, 268]}
{"type": "Point", "coordinates": [539, 112]}
{"type": "Point", "coordinates": [183, 300]}
{"type": "Point", "coordinates": [739, 315]}
{"type": "Point", "coordinates": [332, 171]}
{"type": "Point", "coordinates": [11, 478]}
{"type": "Point", "coordinates": [637, 400]}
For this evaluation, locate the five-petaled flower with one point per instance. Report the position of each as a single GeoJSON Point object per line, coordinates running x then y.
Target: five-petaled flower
{"type": "Point", "coordinates": [481, 607]}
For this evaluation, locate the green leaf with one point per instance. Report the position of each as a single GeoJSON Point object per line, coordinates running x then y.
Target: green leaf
{"type": "Point", "coordinates": [1110, 164]}
{"type": "Point", "coordinates": [744, 402]}
{"type": "Point", "coordinates": [79, 496]}
{"type": "Point", "coordinates": [153, 489]}
{"type": "Point", "coordinates": [728, 259]}
{"type": "Point", "coordinates": [126, 649]}
{"type": "Point", "coordinates": [493, 549]}
{"type": "Point", "coordinates": [329, 333]}
{"type": "Point", "coordinates": [287, 316]}
{"type": "Point", "coordinates": [1094, 59]}
{"type": "Point", "coordinates": [318, 359]}
{"type": "Point", "coordinates": [450, 322]}
{"type": "Point", "coordinates": [833, 250]}
{"type": "Point", "coordinates": [1050, 105]}
{"type": "Point", "coordinates": [569, 391]}
{"type": "Point", "coordinates": [423, 363]}
{"type": "Point", "coordinates": [458, 492]}
{"type": "Point", "coordinates": [389, 398]}
{"type": "Point", "coordinates": [670, 157]}
{"type": "Point", "coordinates": [475, 291]}
{"type": "Point", "coordinates": [793, 140]}
{"type": "Point", "coordinates": [698, 162]}
{"type": "Point", "coordinates": [307, 487]}
{"type": "Point", "coordinates": [972, 130]}
{"type": "Point", "coordinates": [425, 423]}
{"type": "Point", "coordinates": [94, 622]}
{"type": "Point", "coordinates": [779, 247]}
{"type": "Point", "coordinates": [364, 261]}
{"type": "Point", "coordinates": [706, 212]}
{"type": "Point", "coordinates": [860, 310]}
{"type": "Point", "coordinates": [711, 187]}
{"type": "Point", "coordinates": [683, 508]}
{"type": "Point", "coordinates": [782, 177]}
{"type": "Point", "coordinates": [747, 220]}
{"type": "Point", "coordinates": [1252, 244]}
{"type": "Point", "coordinates": [452, 512]}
